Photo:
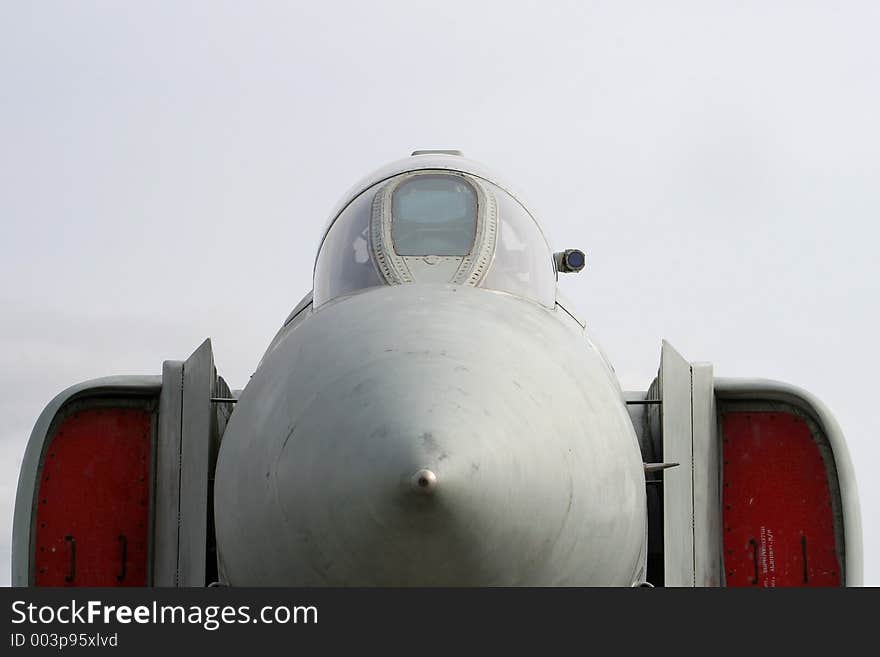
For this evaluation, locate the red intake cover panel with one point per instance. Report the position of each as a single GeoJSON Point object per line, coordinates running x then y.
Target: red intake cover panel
{"type": "Point", "coordinates": [778, 521]}
{"type": "Point", "coordinates": [93, 503]}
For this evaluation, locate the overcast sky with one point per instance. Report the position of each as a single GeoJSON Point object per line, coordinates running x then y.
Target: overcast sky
{"type": "Point", "coordinates": [166, 169]}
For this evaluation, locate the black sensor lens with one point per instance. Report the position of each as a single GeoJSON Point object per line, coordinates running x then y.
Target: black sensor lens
{"type": "Point", "coordinates": [575, 259]}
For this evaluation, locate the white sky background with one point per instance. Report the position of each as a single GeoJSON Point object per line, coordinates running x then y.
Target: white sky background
{"type": "Point", "coordinates": [166, 170]}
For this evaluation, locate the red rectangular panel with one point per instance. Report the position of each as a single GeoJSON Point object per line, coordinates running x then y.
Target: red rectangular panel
{"type": "Point", "coordinates": [93, 503]}
{"type": "Point", "coordinates": [778, 520]}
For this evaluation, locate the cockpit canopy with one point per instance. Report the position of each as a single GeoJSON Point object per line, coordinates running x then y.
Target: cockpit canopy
{"type": "Point", "coordinates": [435, 226]}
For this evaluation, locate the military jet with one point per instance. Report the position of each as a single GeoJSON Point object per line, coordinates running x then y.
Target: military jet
{"type": "Point", "coordinates": [434, 413]}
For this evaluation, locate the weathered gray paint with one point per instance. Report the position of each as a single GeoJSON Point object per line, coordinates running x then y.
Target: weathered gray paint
{"type": "Point", "coordinates": [167, 498]}
{"type": "Point", "coordinates": [678, 485]}
{"type": "Point", "coordinates": [196, 435]}
{"type": "Point", "coordinates": [706, 478]}
{"type": "Point", "coordinates": [637, 414]}
{"type": "Point", "coordinates": [767, 390]}
{"type": "Point", "coordinates": [303, 304]}
{"type": "Point", "coordinates": [539, 476]}
{"type": "Point", "coordinates": [111, 386]}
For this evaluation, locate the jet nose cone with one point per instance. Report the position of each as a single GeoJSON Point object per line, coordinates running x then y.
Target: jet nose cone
{"type": "Point", "coordinates": [478, 444]}
{"type": "Point", "coordinates": [386, 482]}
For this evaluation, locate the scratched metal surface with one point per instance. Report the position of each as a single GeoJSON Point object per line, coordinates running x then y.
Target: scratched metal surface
{"type": "Point", "coordinates": [539, 473]}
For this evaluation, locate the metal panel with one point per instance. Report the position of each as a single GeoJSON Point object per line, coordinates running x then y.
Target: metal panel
{"type": "Point", "coordinates": [196, 449]}
{"type": "Point", "coordinates": [706, 475]}
{"type": "Point", "coordinates": [678, 486]}
{"type": "Point", "coordinates": [115, 386]}
{"type": "Point", "coordinates": [93, 517]}
{"type": "Point", "coordinates": [778, 506]}
{"type": "Point", "coordinates": [167, 499]}
{"type": "Point", "coordinates": [765, 390]}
